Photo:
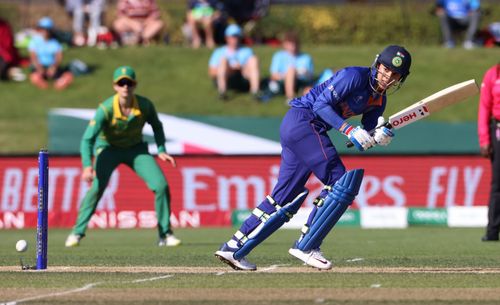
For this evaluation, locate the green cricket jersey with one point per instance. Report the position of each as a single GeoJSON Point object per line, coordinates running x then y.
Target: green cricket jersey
{"type": "Point", "coordinates": [110, 128]}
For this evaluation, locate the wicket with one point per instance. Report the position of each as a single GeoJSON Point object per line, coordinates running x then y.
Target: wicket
{"type": "Point", "coordinates": [42, 222]}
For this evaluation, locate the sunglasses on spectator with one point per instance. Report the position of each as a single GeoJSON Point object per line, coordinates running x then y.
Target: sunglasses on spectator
{"type": "Point", "coordinates": [122, 82]}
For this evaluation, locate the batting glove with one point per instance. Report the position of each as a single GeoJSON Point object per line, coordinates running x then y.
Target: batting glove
{"type": "Point", "coordinates": [361, 139]}
{"type": "Point", "coordinates": [382, 135]}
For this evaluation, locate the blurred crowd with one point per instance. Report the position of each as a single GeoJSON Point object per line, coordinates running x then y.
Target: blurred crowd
{"type": "Point", "coordinates": [221, 25]}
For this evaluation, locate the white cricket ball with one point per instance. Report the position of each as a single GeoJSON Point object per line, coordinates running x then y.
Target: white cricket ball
{"type": "Point", "coordinates": [21, 245]}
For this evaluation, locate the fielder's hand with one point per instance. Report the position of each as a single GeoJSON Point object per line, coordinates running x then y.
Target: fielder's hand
{"type": "Point", "coordinates": [166, 157]}
{"type": "Point", "coordinates": [361, 139]}
{"type": "Point", "coordinates": [382, 135]}
{"type": "Point", "coordinates": [88, 174]}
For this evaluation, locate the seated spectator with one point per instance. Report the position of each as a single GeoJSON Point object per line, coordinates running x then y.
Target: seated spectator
{"type": "Point", "coordinates": [324, 76]}
{"type": "Point", "coordinates": [291, 70]}
{"type": "Point", "coordinates": [46, 57]}
{"type": "Point", "coordinates": [78, 9]}
{"type": "Point", "coordinates": [458, 15]}
{"type": "Point", "coordinates": [234, 66]}
{"type": "Point", "coordinates": [202, 13]}
{"type": "Point", "coordinates": [138, 21]}
{"type": "Point", "coordinates": [9, 55]}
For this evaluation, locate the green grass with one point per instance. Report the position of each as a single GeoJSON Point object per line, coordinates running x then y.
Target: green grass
{"type": "Point", "coordinates": [423, 247]}
{"type": "Point", "coordinates": [415, 247]}
{"type": "Point", "coordinates": [175, 78]}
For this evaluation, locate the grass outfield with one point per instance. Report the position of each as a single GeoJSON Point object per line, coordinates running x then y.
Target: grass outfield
{"type": "Point", "coordinates": [413, 266]}
{"type": "Point", "coordinates": [175, 78]}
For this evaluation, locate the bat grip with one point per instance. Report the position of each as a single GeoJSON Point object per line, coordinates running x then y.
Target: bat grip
{"type": "Point", "coordinates": [349, 144]}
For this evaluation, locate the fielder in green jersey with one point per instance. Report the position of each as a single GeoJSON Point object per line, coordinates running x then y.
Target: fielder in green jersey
{"type": "Point", "coordinates": [113, 137]}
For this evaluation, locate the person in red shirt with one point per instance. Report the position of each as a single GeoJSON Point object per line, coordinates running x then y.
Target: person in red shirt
{"type": "Point", "coordinates": [489, 143]}
{"type": "Point", "coordinates": [138, 21]}
{"type": "Point", "coordinates": [9, 55]}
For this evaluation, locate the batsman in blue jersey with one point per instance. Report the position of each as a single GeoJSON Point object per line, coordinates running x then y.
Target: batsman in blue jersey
{"type": "Point", "coordinates": [306, 149]}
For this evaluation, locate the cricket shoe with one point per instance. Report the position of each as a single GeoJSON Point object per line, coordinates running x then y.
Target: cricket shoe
{"type": "Point", "coordinates": [226, 255]}
{"type": "Point", "coordinates": [169, 241]}
{"type": "Point", "coordinates": [73, 240]}
{"type": "Point", "coordinates": [313, 258]}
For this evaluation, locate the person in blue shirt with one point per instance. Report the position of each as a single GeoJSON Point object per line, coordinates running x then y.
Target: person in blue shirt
{"type": "Point", "coordinates": [307, 149]}
{"type": "Point", "coordinates": [234, 66]}
{"type": "Point", "coordinates": [291, 69]}
{"type": "Point", "coordinates": [46, 55]}
{"type": "Point", "coordinates": [458, 15]}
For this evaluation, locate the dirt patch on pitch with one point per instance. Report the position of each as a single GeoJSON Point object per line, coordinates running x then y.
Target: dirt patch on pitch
{"type": "Point", "coordinates": [271, 269]}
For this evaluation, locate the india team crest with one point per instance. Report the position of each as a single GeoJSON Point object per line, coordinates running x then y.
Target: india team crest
{"type": "Point", "coordinates": [397, 61]}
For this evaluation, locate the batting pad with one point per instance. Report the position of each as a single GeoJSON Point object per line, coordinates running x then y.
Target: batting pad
{"type": "Point", "coordinates": [266, 228]}
{"type": "Point", "coordinates": [336, 203]}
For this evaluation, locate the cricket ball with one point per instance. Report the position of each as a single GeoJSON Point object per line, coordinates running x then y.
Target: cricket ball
{"type": "Point", "coordinates": [21, 245]}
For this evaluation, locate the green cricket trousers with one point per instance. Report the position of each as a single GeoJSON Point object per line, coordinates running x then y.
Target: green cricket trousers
{"type": "Point", "coordinates": [141, 162]}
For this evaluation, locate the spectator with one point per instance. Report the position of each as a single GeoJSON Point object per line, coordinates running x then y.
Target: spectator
{"type": "Point", "coordinates": [78, 9]}
{"type": "Point", "coordinates": [489, 143]}
{"type": "Point", "coordinates": [247, 13]}
{"type": "Point", "coordinates": [9, 55]}
{"type": "Point", "coordinates": [291, 69]}
{"type": "Point", "coordinates": [202, 13]}
{"type": "Point", "coordinates": [138, 21]}
{"type": "Point", "coordinates": [46, 56]}
{"type": "Point", "coordinates": [234, 66]}
{"type": "Point", "coordinates": [324, 76]}
{"type": "Point", "coordinates": [458, 15]}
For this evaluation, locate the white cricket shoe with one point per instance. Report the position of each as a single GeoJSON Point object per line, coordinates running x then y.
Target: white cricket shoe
{"type": "Point", "coordinates": [169, 241]}
{"type": "Point", "coordinates": [73, 240]}
{"type": "Point", "coordinates": [226, 256]}
{"type": "Point", "coordinates": [313, 258]}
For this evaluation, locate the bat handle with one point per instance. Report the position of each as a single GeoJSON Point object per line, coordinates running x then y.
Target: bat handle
{"type": "Point", "coordinates": [349, 144]}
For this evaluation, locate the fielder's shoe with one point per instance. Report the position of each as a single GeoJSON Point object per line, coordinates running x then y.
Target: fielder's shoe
{"type": "Point", "coordinates": [489, 238]}
{"type": "Point", "coordinates": [225, 254]}
{"type": "Point", "coordinates": [169, 241]}
{"type": "Point", "coordinates": [73, 240]}
{"type": "Point", "coordinates": [313, 258]}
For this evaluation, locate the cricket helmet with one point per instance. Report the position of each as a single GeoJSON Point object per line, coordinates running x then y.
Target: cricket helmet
{"type": "Point", "coordinates": [397, 59]}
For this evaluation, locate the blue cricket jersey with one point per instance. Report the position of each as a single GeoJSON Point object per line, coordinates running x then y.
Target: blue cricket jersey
{"type": "Point", "coordinates": [347, 93]}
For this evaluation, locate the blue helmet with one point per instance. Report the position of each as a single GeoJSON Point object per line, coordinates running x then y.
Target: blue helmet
{"type": "Point", "coordinates": [397, 59]}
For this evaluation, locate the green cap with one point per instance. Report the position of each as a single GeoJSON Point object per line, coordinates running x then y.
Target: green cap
{"type": "Point", "coordinates": [124, 72]}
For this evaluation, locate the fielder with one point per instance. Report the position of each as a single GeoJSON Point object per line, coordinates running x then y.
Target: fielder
{"type": "Point", "coordinates": [306, 149]}
{"type": "Point", "coordinates": [115, 137]}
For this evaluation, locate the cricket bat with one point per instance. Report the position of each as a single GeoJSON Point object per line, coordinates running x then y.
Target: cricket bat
{"type": "Point", "coordinates": [431, 104]}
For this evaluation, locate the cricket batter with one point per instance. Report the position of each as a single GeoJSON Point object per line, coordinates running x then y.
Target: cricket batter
{"type": "Point", "coordinates": [306, 149]}
{"type": "Point", "coordinates": [115, 137]}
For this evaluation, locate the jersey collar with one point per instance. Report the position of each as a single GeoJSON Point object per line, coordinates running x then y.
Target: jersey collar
{"type": "Point", "coordinates": [117, 113]}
